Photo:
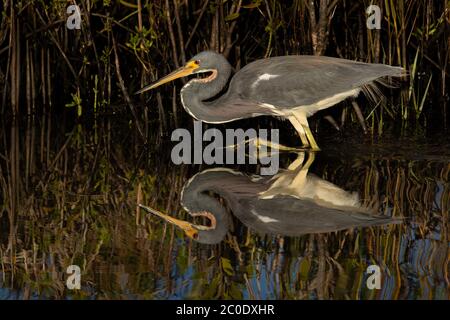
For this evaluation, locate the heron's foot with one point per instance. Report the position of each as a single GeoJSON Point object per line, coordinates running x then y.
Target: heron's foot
{"type": "Point", "coordinates": [260, 143]}
{"type": "Point", "coordinates": [310, 144]}
{"type": "Point", "coordinates": [307, 146]}
{"type": "Point", "coordinates": [263, 146]}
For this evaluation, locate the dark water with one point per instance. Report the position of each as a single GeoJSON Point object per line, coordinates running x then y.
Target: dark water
{"type": "Point", "coordinates": [69, 196]}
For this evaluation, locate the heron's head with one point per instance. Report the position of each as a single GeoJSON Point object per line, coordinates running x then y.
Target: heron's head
{"type": "Point", "coordinates": [196, 232]}
{"type": "Point", "coordinates": [203, 62]}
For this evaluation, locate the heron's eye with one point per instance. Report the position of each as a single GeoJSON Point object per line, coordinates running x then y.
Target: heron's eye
{"type": "Point", "coordinates": [197, 62]}
{"type": "Point", "coordinates": [195, 236]}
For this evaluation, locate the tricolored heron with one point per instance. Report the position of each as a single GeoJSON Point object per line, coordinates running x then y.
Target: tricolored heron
{"type": "Point", "coordinates": [292, 87]}
{"type": "Point", "coordinates": [292, 203]}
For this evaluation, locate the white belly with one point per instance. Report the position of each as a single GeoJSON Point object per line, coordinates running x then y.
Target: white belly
{"type": "Point", "coordinates": [310, 109]}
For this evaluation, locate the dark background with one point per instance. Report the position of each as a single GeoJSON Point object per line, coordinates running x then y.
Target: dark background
{"type": "Point", "coordinates": [123, 45]}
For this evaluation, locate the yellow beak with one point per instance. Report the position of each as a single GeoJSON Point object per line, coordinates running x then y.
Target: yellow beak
{"type": "Point", "coordinates": [187, 227]}
{"type": "Point", "coordinates": [179, 73]}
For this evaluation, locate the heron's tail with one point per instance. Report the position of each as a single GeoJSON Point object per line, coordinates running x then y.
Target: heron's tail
{"type": "Point", "coordinates": [390, 77]}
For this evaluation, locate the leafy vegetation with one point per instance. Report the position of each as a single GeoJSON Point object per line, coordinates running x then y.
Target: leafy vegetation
{"type": "Point", "coordinates": [123, 45]}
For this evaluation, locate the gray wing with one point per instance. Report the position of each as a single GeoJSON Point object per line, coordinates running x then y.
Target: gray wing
{"type": "Point", "coordinates": [293, 217]}
{"type": "Point", "coordinates": [292, 81]}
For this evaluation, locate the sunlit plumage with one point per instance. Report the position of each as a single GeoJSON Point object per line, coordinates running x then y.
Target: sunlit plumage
{"type": "Point", "coordinates": [292, 87]}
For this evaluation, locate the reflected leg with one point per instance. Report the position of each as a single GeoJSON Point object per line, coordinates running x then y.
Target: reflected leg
{"type": "Point", "coordinates": [297, 162]}
{"type": "Point", "coordinates": [300, 178]}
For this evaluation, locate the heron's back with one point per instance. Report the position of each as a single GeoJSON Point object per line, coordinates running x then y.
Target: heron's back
{"type": "Point", "coordinates": [293, 81]}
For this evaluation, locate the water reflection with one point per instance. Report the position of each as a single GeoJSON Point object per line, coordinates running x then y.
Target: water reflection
{"type": "Point", "coordinates": [69, 195]}
{"type": "Point", "coordinates": [292, 203]}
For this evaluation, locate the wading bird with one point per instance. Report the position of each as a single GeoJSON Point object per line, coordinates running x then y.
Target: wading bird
{"type": "Point", "coordinates": [291, 203]}
{"type": "Point", "coordinates": [292, 87]}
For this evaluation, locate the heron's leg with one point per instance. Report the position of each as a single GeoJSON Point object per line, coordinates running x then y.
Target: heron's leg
{"type": "Point", "coordinates": [314, 145]}
{"type": "Point", "coordinates": [301, 117]}
{"type": "Point", "coordinates": [301, 132]}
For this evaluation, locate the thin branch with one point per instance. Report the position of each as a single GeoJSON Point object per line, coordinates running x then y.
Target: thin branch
{"type": "Point", "coordinates": [122, 86]}
{"type": "Point", "coordinates": [205, 5]}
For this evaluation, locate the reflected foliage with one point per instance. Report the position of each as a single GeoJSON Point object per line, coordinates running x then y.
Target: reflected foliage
{"type": "Point", "coordinates": [69, 195]}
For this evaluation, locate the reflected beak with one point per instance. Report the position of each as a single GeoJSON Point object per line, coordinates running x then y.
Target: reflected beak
{"type": "Point", "coordinates": [179, 73]}
{"type": "Point", "coordinates": [189, 229]}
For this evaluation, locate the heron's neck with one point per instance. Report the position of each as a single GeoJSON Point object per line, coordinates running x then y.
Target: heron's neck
{"type": "Point", "coordinates": [196, 199]}
{"type": "Point", "coordinates": [197, 91]}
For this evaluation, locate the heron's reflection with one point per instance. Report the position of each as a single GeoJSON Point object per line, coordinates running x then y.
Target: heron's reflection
{"type": "Point", "coordinates": [292, 203]}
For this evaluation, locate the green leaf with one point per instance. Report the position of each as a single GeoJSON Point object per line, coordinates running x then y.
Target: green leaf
{"type": "Point", "coordinates": [305, 266]}
{"type": "Point", "coordinates": [226, 266]}
{"type": "Point", "coordinates": [235, 292]}
{"type": "Point", "coordinates": [255, 4]}
{"type": "Point", "coordinates": [232, 16]}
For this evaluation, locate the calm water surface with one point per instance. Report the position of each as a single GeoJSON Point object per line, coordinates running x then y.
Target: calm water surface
{"type": "Point", "coordinates": [69, 195]}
